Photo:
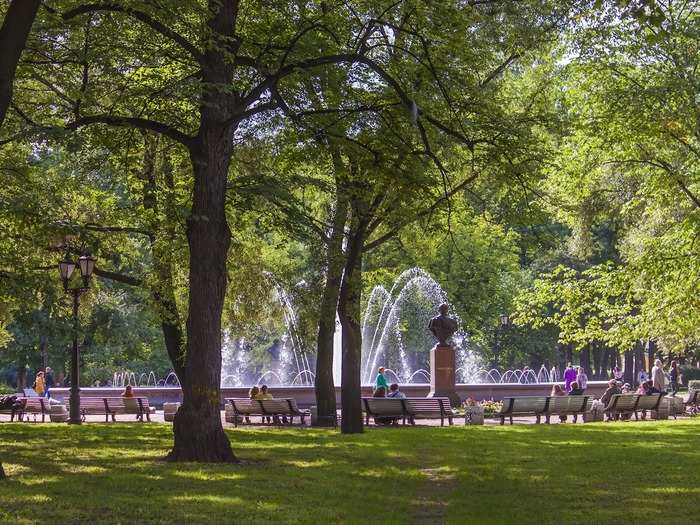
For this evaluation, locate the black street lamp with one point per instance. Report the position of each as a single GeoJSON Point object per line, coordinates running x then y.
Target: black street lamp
{"type": "Point", "coordinates": [66, 267]}
{"type": "Point", "coordinates": [503, 321]}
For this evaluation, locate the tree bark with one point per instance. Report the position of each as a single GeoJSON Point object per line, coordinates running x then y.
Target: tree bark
{"type": "Point", "coordinates": [585, 358]}
{"type": "Point", "coordinates": [349, 311]}
{"type": "Point", "coordinates": [199, 435]}
{"type": "Point", "coordinates": [651, 351]}
{"type": "Point", "coordinates": [628, 371]}
{"type": "Point", "coordinates": [2, 472]}
{"type": "Point", "coordinates": [597, 361]}
{"type": "Point", "coordinates": [323, 383]}
{"type": "Point", "coordinates": [13, 38]}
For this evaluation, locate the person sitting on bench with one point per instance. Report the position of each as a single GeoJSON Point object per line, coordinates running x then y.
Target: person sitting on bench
{"type": "Point", "coordinates": [380, 391]}
{"type": "Point", "coordinates": [128, 391]}
{"type": "Point", "coordinates": [612, 389]}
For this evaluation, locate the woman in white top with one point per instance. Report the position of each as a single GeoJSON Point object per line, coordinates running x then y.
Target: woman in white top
{"type": "Point", "coordinates": [582, 378]}
{"type": "Point", "coordinates": [658, 377]}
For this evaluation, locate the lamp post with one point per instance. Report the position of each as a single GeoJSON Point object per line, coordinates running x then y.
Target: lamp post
{"type": "Point", "coordinates": [66, 267]}
{"type": "Point", "coordinates": [503, 321]}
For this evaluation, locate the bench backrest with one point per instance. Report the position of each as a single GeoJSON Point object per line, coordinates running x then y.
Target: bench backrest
{"type": "Point", "coordinates": [524, 405]}
{"type": "Point", "coordinates": [436, 406]}
{"type": "Point", "coordinates": [383, 406]}
{"type": "Point", "coordinates": [650, 402]}
{"type": "Point", "coordinates": [623, 402]}
{"type": "Point", "coordinates": [94, 405]}
{"type": "Point", "coordinates": [275, 406]}
{"type": "Point", "coordinates": [567, 404]}
{"type": "Point", "coordinates": [243, 405]}
{"type": "Point", "coordinates": [35, 404]}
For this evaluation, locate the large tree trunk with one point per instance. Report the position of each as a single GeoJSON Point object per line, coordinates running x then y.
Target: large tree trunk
{"type": "Point", "coordinates": [597, 352]}
{"type": "Point", "coordinates": [13, 38]}
{"type": "Point", "coordinates": [2, 472]}
{"type": "Point", "coordinates": [323, 383]}
{"type": "Point", "coordinates": [585, 358]}
{"type": "Point", "coordinates": [651, 354]}
{"type": "Point", "coordinates": [629, 373]}
{"type": "Point", "coordinates": [349, 312]}
{"type": "Point", "coordinates": [199, 434]}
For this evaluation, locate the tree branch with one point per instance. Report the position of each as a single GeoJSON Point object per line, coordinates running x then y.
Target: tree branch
{"type": "Point", "coordinates": [142, 17]}
{"type": "Point", "coordinates": [118, 277]}
{"type": "Point", "coordinates": [135, 122]}
{"type": "Point", "coordinates": [422, 213]}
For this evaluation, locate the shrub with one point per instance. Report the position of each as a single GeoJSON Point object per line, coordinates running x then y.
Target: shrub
{"type": "Point", "coordinates": [689, 373]}
{"type": "Point", "coordinates": [6, 389]}
{"type": "Point", "coordinates": [491, 408]}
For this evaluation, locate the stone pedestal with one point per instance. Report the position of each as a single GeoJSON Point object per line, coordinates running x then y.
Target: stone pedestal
{"type": "Point", "coordinates": [442, 373]}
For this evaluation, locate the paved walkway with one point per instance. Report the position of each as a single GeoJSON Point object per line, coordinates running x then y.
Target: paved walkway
{"type": "Point", "coordinates": [158, 418]}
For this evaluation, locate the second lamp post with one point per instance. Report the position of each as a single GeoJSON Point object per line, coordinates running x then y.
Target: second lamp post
{"type": "Point", "coordinates": [66, 267]}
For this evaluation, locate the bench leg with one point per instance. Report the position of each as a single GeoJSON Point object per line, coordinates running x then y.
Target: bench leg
{"type": "Point", "coordinates": [442, 421]}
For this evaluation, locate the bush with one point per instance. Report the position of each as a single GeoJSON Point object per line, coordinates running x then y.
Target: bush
{"type": "Point", "coordinates": [689, 373]}
{"type": "Point", "coordinates": [6, 389]}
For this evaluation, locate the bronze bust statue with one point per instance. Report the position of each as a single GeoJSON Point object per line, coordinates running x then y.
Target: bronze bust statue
{"type": "Point", "coordinates": [443, 326]}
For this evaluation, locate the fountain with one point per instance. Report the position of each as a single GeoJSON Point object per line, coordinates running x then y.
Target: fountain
{"type": "Point", "coordinates": [394, 335]}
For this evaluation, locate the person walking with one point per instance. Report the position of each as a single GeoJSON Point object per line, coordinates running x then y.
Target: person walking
{"type": "Point", "coordinates": [582, 378]}
{"type": "Point", "coordinates": [674, 376]}
{"type": "Point", "coordinates": [657, 376]}
{"type": "Point", "coordinates": [40, 384]}
{"type": "Point", "coordinates": [381, 380]}
{"type": "Point", "coordinates": [569, 377]}
{"type": "Point", "coordinates": [49, 381]}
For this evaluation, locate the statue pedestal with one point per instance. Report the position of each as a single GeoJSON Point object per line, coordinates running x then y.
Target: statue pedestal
{"type": "Point", "coordinates": [442, 373]}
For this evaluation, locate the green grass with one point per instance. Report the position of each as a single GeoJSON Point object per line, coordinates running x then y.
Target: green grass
{"type": "Point", "coordinates": [593, 473]}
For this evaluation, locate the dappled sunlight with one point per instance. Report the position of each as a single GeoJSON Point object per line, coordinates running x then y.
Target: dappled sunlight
{"type": "Point", "coordinates": [474, 469]}
{"type": "Point", "coordinates": [207, 498]}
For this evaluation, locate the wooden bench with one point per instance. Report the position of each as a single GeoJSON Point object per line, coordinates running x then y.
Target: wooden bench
{"type": "Point", "coordinates": [111, 406]}
{"type": "Point", "coordinates": [285, 408]}
{"type": "Point", "coordinates": [523, 406]}
{"type": "Point", "coordinates": [410, 408]}
{"type": "Point", "coordinates": [622, 404]}
{"type": "Point", "coordinates": [647, 402]}
{"type": "Point", "coordinates": [275, 408]}
{"type": "Point", "coordinates": [242, 407]}
{"type": "Point", "coordinates": [691, 401]}
{"type": "Point", "coordinates": [428, 408]}
{"type": "Point", "coordinates": [565, 406]}
{"type": "Point", "coordinates": [28, 405]}
{"type": "Point", "coordinates": [384, 407]}
{"type": "Point", "coordinates": [13, 409]}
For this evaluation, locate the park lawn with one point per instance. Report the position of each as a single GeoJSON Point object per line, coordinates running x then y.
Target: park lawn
{"type": "Point", "coordinates": [593, 473]}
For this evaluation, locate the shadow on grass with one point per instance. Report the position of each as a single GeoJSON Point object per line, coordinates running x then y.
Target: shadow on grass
{"type": "Point", "coordinates": [531, 474]}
